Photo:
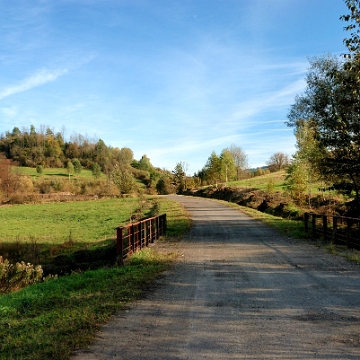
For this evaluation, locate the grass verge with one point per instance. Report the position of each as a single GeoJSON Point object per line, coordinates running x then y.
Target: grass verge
{"type": "Point", "coordinates": [51, 319]}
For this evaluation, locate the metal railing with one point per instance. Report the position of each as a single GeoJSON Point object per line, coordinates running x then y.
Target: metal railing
{"type": "Point", "coordinates": [133, 237]}
{"type": "Point", "coordinates": [335, 229]}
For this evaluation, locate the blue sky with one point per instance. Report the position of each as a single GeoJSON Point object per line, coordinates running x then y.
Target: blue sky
{"type": "Point", "coordinates": [172, 79]}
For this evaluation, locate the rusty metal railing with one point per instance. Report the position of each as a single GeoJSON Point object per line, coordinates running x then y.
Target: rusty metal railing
{"type": "Point", "coordinates": [336, 229]}
{"type": "Point", "coordinates": [133, 237]}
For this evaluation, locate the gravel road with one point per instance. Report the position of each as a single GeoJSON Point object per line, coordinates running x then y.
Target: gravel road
{"type": "Point", "coordinates": [239, 291]}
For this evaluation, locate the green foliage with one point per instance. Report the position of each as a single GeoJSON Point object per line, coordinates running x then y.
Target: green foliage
{"type": "Point", "coordinates": [70, 168]}
{"type": "Point", "coordinates": [179, 176]}
{"type": "Point", "coordinates": [124, 180]}
{"type": "Point", "coordinates": [353, 42]}
{"type": "Point", "coordinates": [227, 166]}
{"type": "Point", "coordinates": [331, 103]}
{"type": "Point", "coordinates": [39, 169]}
{"type": "Point", "coordinates": [96, 170]}
{"type": "Point", "coordinates": [165, 186]}
{"type": "Point", "coordinates": [77, 166]}
{"type": "Point", "coordinates": [296, 183]}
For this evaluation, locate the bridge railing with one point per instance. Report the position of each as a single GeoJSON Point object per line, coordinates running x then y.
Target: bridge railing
{"type": "Point", "coordinates": [335, 229]}
{"type": "Point", "coordinates": [135, 236]}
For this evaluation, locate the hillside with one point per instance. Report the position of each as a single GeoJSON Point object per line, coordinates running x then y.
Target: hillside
{"type": "Point", "coordinates": [268, 193]}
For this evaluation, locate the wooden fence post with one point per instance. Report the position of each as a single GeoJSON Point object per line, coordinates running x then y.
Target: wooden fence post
{"type": "Point", "coordinates": [132, 238]}
{"type": "Point", "coordinates": [119, 246]}
{"type": "Point", "coordinates": [333, 242]}
{"type": "Point", "coordinates": [313, 224]}
{"type": "Point", "coordinates": [324, 219]}
{"type": "Point", "coordinates": [306, 222]}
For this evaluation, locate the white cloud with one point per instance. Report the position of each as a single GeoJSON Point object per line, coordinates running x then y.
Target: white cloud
{"type": "Point", "coordinates": [41, 78]}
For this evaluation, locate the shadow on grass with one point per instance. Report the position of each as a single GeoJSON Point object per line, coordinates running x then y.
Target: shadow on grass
{"type": "Point", "coordinates": [64, 258]}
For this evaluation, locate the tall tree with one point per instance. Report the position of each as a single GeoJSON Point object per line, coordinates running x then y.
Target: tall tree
{"type": "Point", "coordinates": [227, 166]}
{"type": "Point", "coordinates": [240, 160]}
{"type": "Point", "coordinates": [331, 102]}
{"type": "Point", "coordinates": [179, 176]}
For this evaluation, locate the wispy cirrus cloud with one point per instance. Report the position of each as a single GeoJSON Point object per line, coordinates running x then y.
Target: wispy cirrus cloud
{"type": "Point", "coordinates": [40, 78]}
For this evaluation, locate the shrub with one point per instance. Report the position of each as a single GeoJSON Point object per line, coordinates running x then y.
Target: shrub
{"type": "Point", "coordinates": [17, 276]}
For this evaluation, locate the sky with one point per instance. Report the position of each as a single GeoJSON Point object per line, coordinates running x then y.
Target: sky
{"type": "Point", "coordinates": [172, 79]}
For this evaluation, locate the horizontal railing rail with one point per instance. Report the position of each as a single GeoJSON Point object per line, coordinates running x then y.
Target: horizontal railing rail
{"type": "Point", "coordinates": [133, 237]}
{"type": "Point", "coordinates": [335, 229]}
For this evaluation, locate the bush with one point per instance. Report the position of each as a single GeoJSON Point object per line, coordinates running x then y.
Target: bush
{"type": "Point", "coordinates": [17, 276]}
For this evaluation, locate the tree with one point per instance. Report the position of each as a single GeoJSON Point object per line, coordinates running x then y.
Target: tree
{"type": "Point", "coordinates": [126, 156]}
{"type": "Point", "coordinates": [145, 164]}
{"type": "Point", "coordinates": [240, 160]}
{"type": "Point", "coordinates": [213, 169]}
{"type": "Point", "coordinates": [353, 42]}
{"type": "Point", "coordinates": [77, 166]}
{"type": "Point", "coordinates": [227, 166]}
{"type": "Point", "coordinates": [70, 168]}
{"type": "Point", "coordinates": [295, 180]}
{"type": "Point", "coordinates": [278, 161]}
{"type": "Point", "coordinates": [8, 179]}
{"type": "Point", "coordinates": [179, 176]}
{"type": "Point", "coordinates": [165, 186]}
{"type": "Point", "coordinates": [331, 102]}
{"type": "Point", "coordinates": [96, 170]}
{"type": "Point", "coordinates": [123, 179]}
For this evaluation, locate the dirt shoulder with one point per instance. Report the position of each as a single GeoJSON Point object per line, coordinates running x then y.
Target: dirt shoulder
{"type": "Point", "coordinates": [239, 291]}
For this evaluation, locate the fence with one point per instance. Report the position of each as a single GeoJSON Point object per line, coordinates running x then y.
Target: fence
{"type": "Point", "coordinates": [336, 229]}
{"type": "Point", "coordinates": [133, 237]}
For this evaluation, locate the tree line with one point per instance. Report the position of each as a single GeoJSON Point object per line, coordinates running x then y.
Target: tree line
{"type": "Point", "coordinates": [45, 147]}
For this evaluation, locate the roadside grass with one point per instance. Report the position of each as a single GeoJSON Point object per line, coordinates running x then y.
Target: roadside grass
{"type": "Point", "coordinates": [52, 319]}
{"type": "Point", "coordinates": [292, 228]}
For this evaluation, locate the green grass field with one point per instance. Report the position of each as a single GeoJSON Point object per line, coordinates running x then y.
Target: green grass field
{"type": "Point", "coordinates": [52, 222]}
{"type": "Point", "coordinates": [51, 173]}
{"type": "Point", "coordinates": [262, 182]}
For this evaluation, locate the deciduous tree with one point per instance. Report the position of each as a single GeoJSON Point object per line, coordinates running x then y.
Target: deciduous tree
{"type": "Point", "coordinates": [278, 161]}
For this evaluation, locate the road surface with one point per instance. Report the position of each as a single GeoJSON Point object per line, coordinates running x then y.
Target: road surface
{"type": "Point", "coordinates": [239, 291]}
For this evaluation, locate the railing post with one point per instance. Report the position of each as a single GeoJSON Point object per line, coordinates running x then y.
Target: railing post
{"type": "Point", "coordinates": [348, 232]}
{"type": "Point", "coordinates": [132, 238]}
{"type": "Point", "coordinates": [141, 234]}
{"type": "Point", "coordinates": [313, 224]}
{"type": "Point", "coordinates": [324, 219]}
{"type": "Point", "coordinates": [306, 222]}
{"type": "Point", "coordinates": [157, 227]}
{"type": "Point", "coordinates": [334, 230]}
{"type": "Point", "coordinates": [119, 245]}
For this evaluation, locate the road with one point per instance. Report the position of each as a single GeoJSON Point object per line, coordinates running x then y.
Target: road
{"type": "Point", "coordinates": [239, 291]}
